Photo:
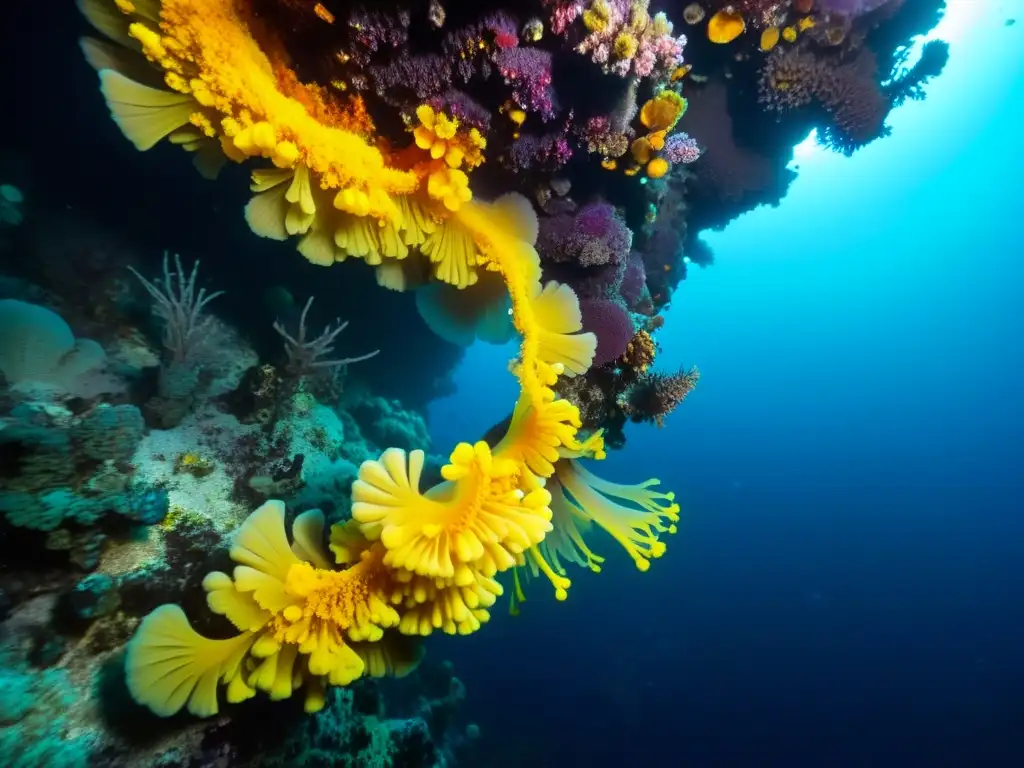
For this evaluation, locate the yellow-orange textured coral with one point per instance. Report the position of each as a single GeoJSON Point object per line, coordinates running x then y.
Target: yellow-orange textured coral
{"type": "Point", "coordinates": [325, 607]}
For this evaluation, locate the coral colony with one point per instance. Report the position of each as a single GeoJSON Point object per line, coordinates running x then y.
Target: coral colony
{"type": "Point", "coordinates": [246, 528]}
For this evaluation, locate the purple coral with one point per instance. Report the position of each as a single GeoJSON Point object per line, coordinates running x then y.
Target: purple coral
{"type": "Point", "coordinates": [411, 78]}
{"type": "Point", "coordinates": [459, 104]}
{"type": "Point", "coordinates": [538, 153]}
{"type": "Point", "coordinates": [681, 148]}
{"type": "Point", "coordinates": [634, 280]}
{"type": "Point", "coordinates": [611, 323]}
{"type": "Point", "coordinates": [373, 31]}
{"type": "Point", "coordinates": [595, 235]}
{"type": "Point", "coordinates": [528, 71]}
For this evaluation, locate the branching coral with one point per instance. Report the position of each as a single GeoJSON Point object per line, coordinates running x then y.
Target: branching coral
{"type": "Point", "coordinates": [654, 396]}
{"type": "Point", "coordinates": [181, 307]}
{"type": "Point", "coordinates": [306, 356]}
{"type": "Point", "coordinates": [411, 560]}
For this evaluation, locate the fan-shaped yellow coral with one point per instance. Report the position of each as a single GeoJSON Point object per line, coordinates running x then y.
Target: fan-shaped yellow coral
{"type": "Point", "coordinates": [477, 520]}
{"type": "Point", "coordinates": [298, 620]}
{"type": "Point", "coordinates": [636, 528]}
{"type": "Point", "coordinates": [663, 111]}
{"type": "Point", "coordinates": [411, 561]}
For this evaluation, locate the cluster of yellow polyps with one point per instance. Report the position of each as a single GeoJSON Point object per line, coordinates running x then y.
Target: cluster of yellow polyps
{"type": "Point", "coordinates": [409, 561]}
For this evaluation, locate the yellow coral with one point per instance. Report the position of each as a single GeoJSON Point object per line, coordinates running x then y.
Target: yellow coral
{"type": "Point", "coordinates": [598, 16]}
{"type": "Point", "coordinates": [725, 26]}
{"type": "Point", "coordinates": [637, 527]}
{"type": "Point", "coordinates": [478, 520]}
{"type": "Point", "coordinates": [657, 168]}
{"type": "Point", "coordinates": [663, 111]}
{"type": "Point", "coordinates": [440, 136]}
{"type": "Point", "coordinates": [298, 623]}
{"type": "Point", "coordinates": [412, 561]}
{"type": "Point", "coordinates": [625, 45]}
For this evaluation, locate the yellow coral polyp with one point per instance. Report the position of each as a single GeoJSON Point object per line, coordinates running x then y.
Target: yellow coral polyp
{"type": "Point", "coordinates": [439, 135]}
{"type": "Point", "coordinates": [477, 521]}
{"type": "Point", "coordinates": [449, 186]}
{"type": "Point", "coordinates": [598, 16]}
{"type": "Point", "coordinates": [625, 46]}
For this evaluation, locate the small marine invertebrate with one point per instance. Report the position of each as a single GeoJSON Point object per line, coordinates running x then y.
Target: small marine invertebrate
{"type": "Point", "coordinates": [769, 38]}
{"type": "Point", "coordinates": [693, 13]}
{"type": "Point", "coordinates": [194, 464]}
{"type": "Point", "coordinates": [533, 30]}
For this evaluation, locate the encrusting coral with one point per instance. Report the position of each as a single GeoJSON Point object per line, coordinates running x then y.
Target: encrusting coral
{"type": "Point", "coordinates": [410, 561]}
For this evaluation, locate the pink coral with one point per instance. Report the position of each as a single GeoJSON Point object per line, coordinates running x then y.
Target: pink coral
{"type": "Point", "coordinates": [563, 14]}
{"type": "Point", "coordinates": [681, 148]}
{"type": "Point", "coordinates": [625, 39]}
{"type": "Point", "coordinates": [602, 139]}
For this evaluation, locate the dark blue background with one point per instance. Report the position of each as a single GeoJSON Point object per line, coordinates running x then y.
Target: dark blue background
{"type": "Point", "coordinates": [847, 589]}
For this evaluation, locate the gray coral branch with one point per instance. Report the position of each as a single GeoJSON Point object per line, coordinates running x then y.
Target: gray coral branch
{"type": "Point", "coordinates": [180, 306]}
{"type": "Point", "coordinates": [306, 356]}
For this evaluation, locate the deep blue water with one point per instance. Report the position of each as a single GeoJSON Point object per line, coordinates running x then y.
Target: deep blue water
{"type": "Point", "coordinates": [848, 587]}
